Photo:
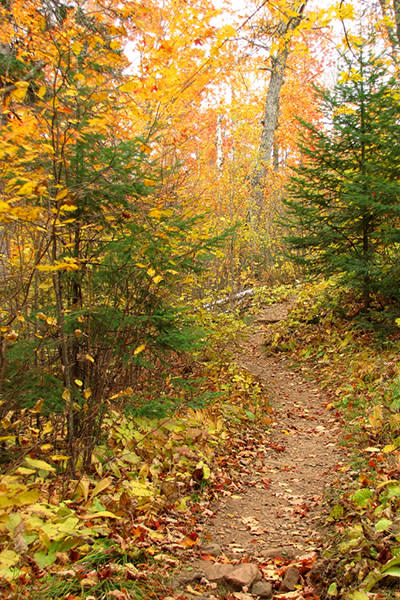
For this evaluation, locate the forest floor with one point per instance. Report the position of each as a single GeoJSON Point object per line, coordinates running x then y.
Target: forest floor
{"type": "Point", "coordinates": [267, 521]}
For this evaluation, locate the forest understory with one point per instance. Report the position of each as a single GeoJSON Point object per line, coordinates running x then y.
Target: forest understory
{"type": "Point", "coordinates": [289, 489]}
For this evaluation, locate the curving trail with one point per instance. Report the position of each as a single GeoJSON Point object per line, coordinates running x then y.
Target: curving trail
{"type": "Point", "coordinates": [278, 506]}
{"type": "Point", "coordinates": [272, 512]}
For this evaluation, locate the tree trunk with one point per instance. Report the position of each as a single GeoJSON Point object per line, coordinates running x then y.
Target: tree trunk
{"type": "Point", "coordinates": [396, 6]}
{"type": "Point", "coordinates": [219, 146]}
{"type": "Point", "coordinates": [271, 112]}
{"type": "Point", "coordinates": [270, 123]}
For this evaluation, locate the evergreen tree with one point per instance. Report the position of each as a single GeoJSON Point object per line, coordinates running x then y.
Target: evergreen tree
{"type": "Point", "coordinates": [343, 207]}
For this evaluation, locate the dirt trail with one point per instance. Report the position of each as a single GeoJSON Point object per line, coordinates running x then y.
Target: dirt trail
{"type": "Point", "coordinates": [277, 504]}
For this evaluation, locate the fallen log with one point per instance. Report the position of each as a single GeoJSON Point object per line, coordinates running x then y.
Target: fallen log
{"type": "Point", "coordinates": [238, 298]}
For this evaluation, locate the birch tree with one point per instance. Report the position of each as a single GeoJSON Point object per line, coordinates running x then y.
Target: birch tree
{"type": "Point", "coordinates": [281, 35]}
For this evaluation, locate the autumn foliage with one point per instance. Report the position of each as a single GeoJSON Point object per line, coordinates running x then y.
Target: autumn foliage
{"type": "Point", "coordinates": [131, 134]}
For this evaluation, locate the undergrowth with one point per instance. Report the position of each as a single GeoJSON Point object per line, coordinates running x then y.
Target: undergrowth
{"type": "Point", "coordinates": [114, 531]}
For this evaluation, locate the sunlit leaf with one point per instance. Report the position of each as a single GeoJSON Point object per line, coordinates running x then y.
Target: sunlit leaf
{"type": "Point", "coordinates": [393, 571]}
{"type": "Point", "coordinates": [39, 464]}
{"type": "Point", "coordinates": [139, 349]}
{"type": "Point", "coordinates": [101, 486]}
{"type": "Point", "coordinates": [60, 457]}
{"type": "Point", "coordinates": [383, 525]}
{"type": "Point", "coordinates": [99, 515]}
{"type": "Point", "coordinates": [140, 489]}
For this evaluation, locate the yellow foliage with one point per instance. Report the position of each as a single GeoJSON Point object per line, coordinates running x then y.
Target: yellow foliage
{"type": "Point", "coordinates": [139, 349]}
{"type": "Point", "coordinates": [20, 92]}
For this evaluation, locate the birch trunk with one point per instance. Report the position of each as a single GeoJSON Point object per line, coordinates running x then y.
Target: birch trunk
{"type": "Point", "coordinates": [271, 112]}
{"type": "Point", "coordinates": [219, 146]}
{"type": "Point", "coordinates": [270, 123]}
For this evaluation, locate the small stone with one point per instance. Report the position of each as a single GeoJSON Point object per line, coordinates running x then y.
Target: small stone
{"type": "Point", "coordinates": [318, 576]}
{"type": "Point", "coordinates": [291, 579]}
{"type": "Point", "coordinates": [243, 575]}
{"type": "Point", "coordinates": [211, 549]}
{"type": "Point", "coordinates": [262, 589]}
{"type": "Point", "coordinates": [275, 552]}
{"type": "Point", "coordinates": [187, 576]}
{"type": "Point", "coordinates": [214, 572]}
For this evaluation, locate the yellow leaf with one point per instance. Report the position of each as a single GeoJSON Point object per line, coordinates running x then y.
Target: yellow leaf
{"type": "Point", "coordinates": [46, 447]}
{"type": "Point", "coordinates": [345, 11]}
{"type": "Point", "coordinates": [38, 406]}
{"type": "Point", "coordinates": [227, 31]}
{"type": "Point", "coordinates": [76, 47]}
{"type": "Point", "coordinates": [140, 489]}
{"type": "Point", "coordinates": [25, 471]}
{"type": "Point", "coordinates": [39, 464]}
{"type": "Point", "coordinates": [48, 427]}
{"type": "Point", "coordinates": [78, 382]}
{"type": "Point", "coordinates": [155, 535]}
{"type": "Point", "coordinates": [68, 208]}
{"type": "Point", "coordinates": [87, 393]}
{"type": "Point", "coordinates": [182, 504]}
{"type": "Point", "coordinates": [27, 188]}
{"type": "Point", "coordinates": [389, 448]}
{"type": "Point", "coordinates": [27, 497]}
{"type": "Point", "coordinates": [20, 92]}
{"type": "Point", "coordinates": [151, 272]}
{"type": "Point", "coordinates": [8, 558]}
{"type": "Point", "coordinates": [129, 86]}
{"type": "Point", "coordinates": [58, 457]}
{"type": "Point", "coordinates": [376, 417]}
{"type": "Point", "coordinates": [66, 395]}
{"type": "Point", "coordinates": [89, 358]}
{"type": "Point", "coordinates": [41, 91]}
{"type": "Point", "coordinates": [115, 45]}
{"type": "Point", "coordinates": [139, 349]}
{"type": "Point", "coordinates": [102, 485]}
{"type": "Point", "coordinates": [155, 213]}
{"type": "Point", "coordinates": [157, 279]}
{"type": "Point", "coordinates": [99, 515]}
{"type": "Point", "coordinates": [62, 194]}
{"type": "Point", "coordinates": [84, 485]}
{"type": "Point", "coordinates": [141, 265]}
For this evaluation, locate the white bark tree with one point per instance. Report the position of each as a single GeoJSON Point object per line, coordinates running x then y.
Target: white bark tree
{"type": "Point", "coordinates": [282, 35]}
